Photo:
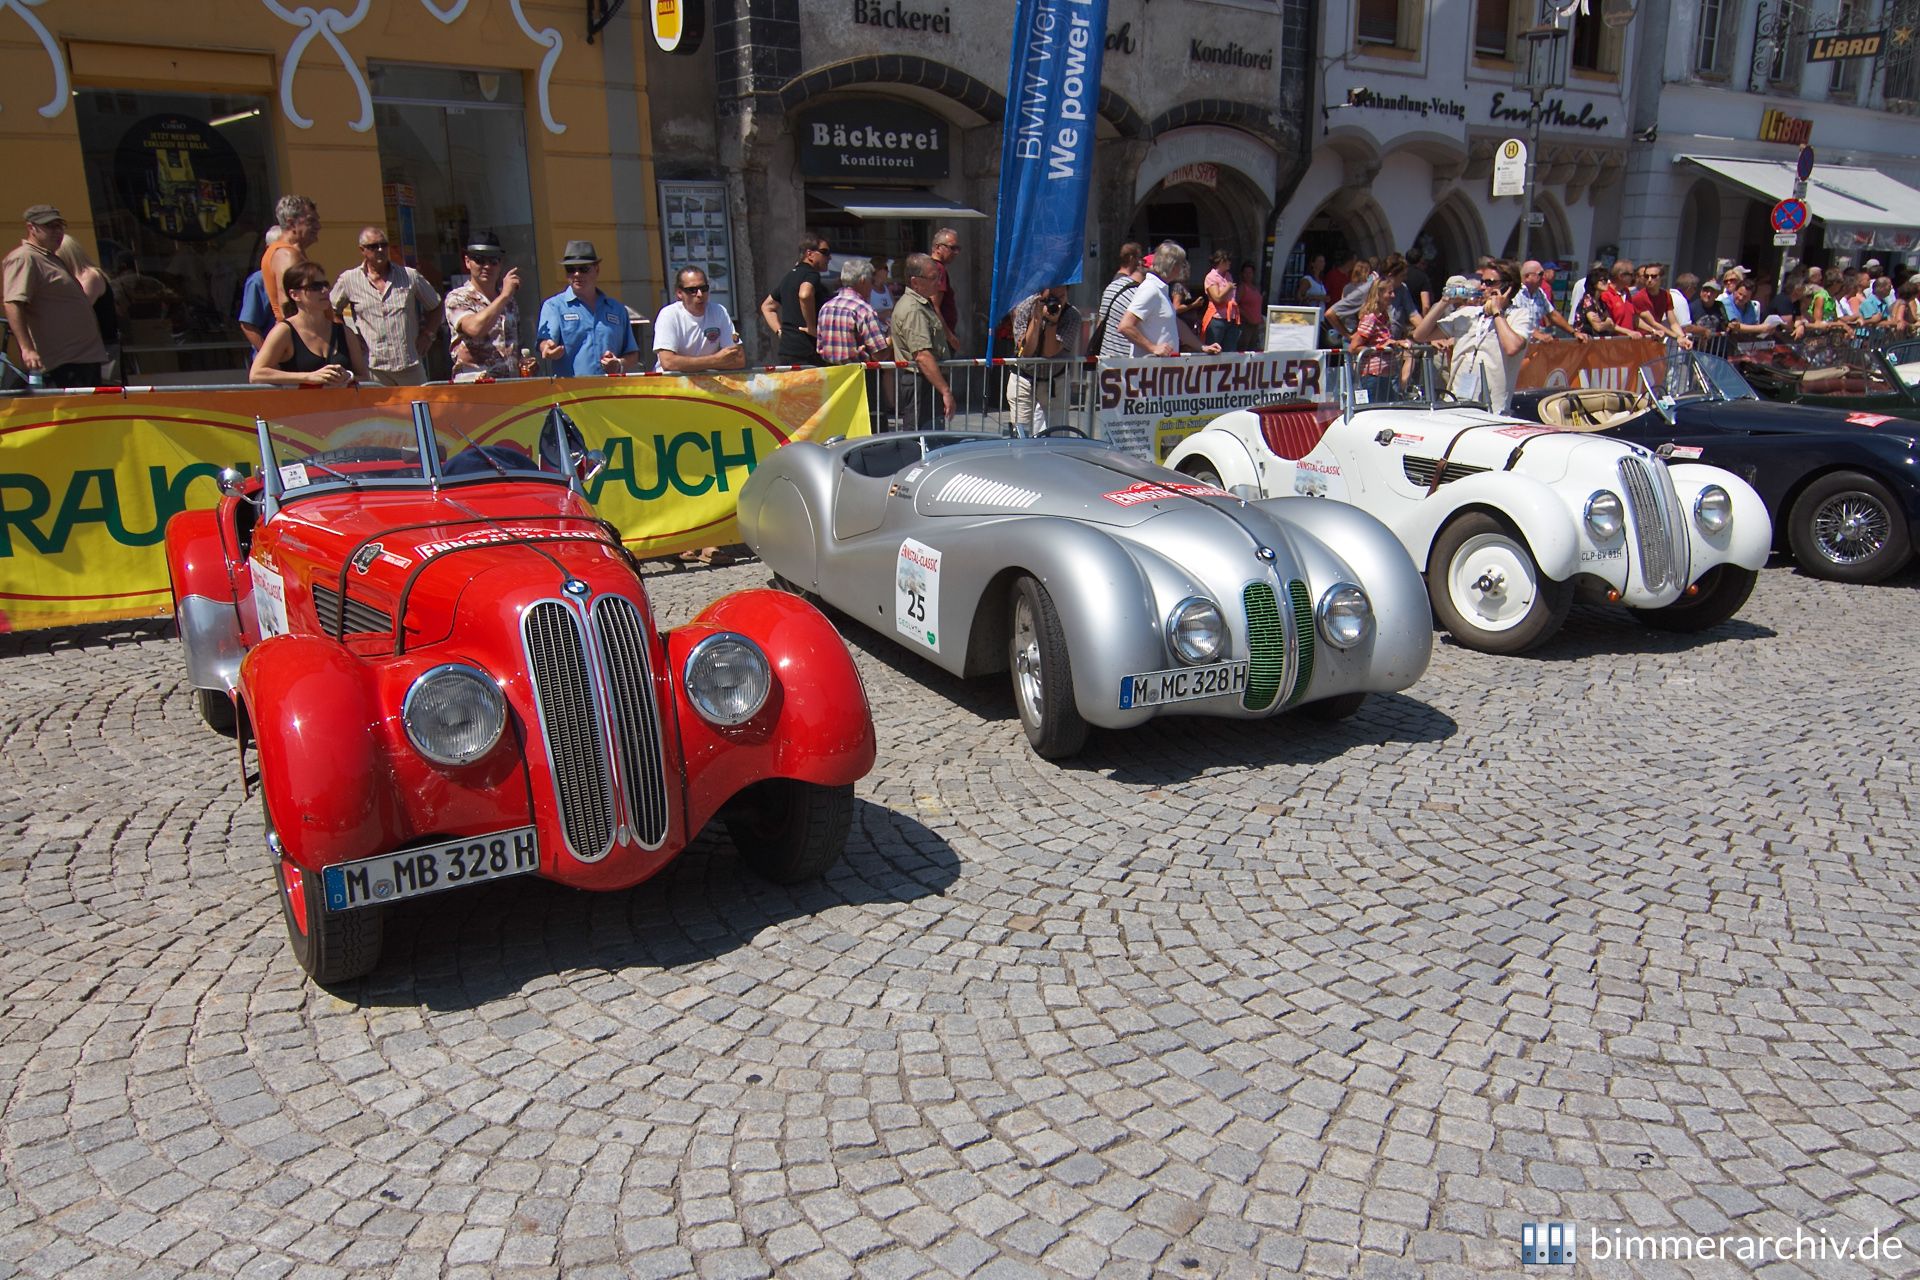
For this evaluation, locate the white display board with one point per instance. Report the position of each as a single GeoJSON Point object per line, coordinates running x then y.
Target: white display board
{"type": "Point", "coordinates": [1293, 328]}
{"type": "Point", "coordinates": [697, 232]}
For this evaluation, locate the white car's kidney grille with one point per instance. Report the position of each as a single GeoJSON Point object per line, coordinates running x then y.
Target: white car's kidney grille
{"type": "Point", "coordinates": [1652, 527]}
{"type": "Point", "coordinates": [623, 642]}
{"type": "Point", "coordinates": [570, 719]}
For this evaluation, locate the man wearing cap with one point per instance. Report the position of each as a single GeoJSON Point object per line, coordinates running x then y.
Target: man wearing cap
{"type": "Point", "coordinates": [483, 315]}
{"type": "Point", "coordinates": [581, 328]}
{"type": "Point", "coordinates": [48, 307]}
{"type": "Point", "coordinates": [392, 308]}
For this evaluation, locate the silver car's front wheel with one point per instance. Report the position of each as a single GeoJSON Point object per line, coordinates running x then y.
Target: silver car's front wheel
{"type": "Point", "coordinates": [1042, 674]}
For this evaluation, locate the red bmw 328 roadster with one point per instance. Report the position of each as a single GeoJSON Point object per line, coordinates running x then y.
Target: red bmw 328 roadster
{"type": "Point", "coordinates": [451, 673]}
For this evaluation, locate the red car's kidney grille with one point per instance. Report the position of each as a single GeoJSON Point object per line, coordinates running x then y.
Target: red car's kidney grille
{"type": "Point", "coordinates": [623, 643]}
{"type": "Point", "coordinates": [570, 718]}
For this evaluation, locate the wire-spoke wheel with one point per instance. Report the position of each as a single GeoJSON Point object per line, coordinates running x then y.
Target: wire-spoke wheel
{"type": "Point", "coordinates": [1847, 527]}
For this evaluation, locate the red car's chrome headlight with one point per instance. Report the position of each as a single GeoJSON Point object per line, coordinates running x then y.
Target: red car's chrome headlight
{"type": "Point", "coordinates": [454, 714]}
{"type": "Point", "coordinates": [728, 678]}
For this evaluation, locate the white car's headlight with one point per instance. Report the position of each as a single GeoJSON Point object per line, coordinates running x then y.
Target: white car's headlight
{"type": "Point", "coordinates": [1196, 631]}
{"type": "Point", "coordinates": [1605, 516]}
{"type": "Point", "coordinates": [454, 714]}
{"type": "Point", "coordinates": [1713, 509]}
{"type": "Point", "coordinates": [728, 678]}
{"type": "Point", "coordinates": [1345, 615]}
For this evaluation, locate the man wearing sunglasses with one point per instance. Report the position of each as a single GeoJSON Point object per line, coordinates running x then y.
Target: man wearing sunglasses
{"type": "Point", "coordinates": [392, 309]}
{"type": "Point", "coordinates": [693, 333]}
{"type": "Point", "coordinates": [581, 328]}
{"type": "Point", "coordinates": [1489, 333]}
{"type": "Point", "coordinates": [792, 306]}
{"type": "Point", "coordinates": [483, 315]}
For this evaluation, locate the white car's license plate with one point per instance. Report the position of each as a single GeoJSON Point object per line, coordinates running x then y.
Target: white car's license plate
{"type": "Point", "coordinates": [1184, 684]}
{"type": "Point", "coordinates": [431, 868]}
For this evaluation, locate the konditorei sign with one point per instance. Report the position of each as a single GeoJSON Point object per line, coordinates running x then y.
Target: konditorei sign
{"type": "Point", "coordinates": [880, 138]}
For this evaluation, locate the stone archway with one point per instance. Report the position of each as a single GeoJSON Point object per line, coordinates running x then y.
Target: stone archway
{"type": "Point", "coordinates": [1699, 236]}
{"type": "Point", "coordinates": [1551, 241]}
{"type": "Point", "coordinates": [1453, 237]}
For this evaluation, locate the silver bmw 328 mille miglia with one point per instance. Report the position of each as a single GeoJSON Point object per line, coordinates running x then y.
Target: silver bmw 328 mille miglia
{"type": "Point", "coordinates": [1111, 589]}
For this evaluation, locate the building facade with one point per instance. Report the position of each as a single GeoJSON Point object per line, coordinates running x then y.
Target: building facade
{"type": "Point", "coordinates": [1743, 86]}
{"type": "Point", "coordinates": [877, 121]}
{"type": "Point", "coordinates": [1417, 96]}
{"type": "Point", "coordinates": [166, 132]}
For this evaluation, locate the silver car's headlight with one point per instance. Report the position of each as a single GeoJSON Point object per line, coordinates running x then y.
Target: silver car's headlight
{"type": "Point", "coordinates": [454, 714]}
{"type": "Point", "coordinates": [1345, 615]}
{"type": "Point", "coordinates": [1713, 509]}
{"type": "Point", "coordinates": [1196, 631]}
{"type": "Point", "coordinates": [728, 678]}
{"type": "Point", "coordinates": [1605, 515]}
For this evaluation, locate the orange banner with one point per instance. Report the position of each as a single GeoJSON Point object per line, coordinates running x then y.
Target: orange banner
{"type": "Point", "coordinates": [89, 481]}
{"type": "Point", "coordinates": [1604, 362]}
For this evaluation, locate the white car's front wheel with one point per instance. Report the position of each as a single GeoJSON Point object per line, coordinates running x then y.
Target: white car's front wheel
{"type": "Point", "coordinates": [1488, 591]}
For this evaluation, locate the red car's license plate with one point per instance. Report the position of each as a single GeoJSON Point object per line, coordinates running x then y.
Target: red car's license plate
{"type": "Point", "coordinates": [410, 873]}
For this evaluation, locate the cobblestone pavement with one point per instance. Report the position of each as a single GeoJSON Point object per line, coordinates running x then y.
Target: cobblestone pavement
{"type": "Point", "coordinates": [1620, 934]}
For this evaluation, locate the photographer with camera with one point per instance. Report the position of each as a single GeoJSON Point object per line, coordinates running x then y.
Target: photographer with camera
{"type": "Point", "coordinates": [1046, 327]}
{"type": "Point", "coordinates": [1488, 332]}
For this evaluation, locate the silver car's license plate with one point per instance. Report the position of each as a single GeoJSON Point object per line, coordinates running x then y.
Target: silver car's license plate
{"type": "Point", "coordinates": [1184, 684]}
{"type": "Point", "coordinates": [431, 868]}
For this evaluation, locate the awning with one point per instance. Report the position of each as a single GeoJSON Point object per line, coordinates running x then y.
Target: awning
{"type": "Point", "coordinates": [880, 203]}
{"type": "Point", "coordinates": [1836, 194]}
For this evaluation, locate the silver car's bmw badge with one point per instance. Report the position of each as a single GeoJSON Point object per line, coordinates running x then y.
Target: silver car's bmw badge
{"type": "Point", "coordinates": [1264, 553]}
{"type": "Point", "coordinates": [575, 587]}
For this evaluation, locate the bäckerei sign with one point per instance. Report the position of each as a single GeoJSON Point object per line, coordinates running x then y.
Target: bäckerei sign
{"type": "Point", "coordinates": [874, 139]}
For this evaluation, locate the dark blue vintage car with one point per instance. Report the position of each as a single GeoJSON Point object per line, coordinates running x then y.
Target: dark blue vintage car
{"type": "Point", "coordinates": [1842, 486]}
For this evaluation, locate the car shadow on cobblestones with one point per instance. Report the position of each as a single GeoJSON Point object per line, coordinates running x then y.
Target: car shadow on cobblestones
{"type": "Point", "coordinates": [462, 951]}
{"type": "Point", "coordinates": [1181, 748]}
{"type": "Point", "coordinates": [1595, 631]}
{"type": "Point", "coordinates": [87, 635]}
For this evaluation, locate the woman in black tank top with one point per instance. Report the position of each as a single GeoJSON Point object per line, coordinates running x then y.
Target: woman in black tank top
{"type": "Point", "coordinates": [309, 348]}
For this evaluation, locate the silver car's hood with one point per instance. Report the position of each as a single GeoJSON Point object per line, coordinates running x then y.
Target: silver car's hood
{"type": "Point", "coordinates": [1084, 481]}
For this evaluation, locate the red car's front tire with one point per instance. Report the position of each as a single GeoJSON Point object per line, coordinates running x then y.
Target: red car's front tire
{"type": "Point", "coordinates": [332, 946]}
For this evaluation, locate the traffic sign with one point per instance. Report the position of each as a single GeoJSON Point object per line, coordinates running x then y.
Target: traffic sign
{"type": "Point", "coordinates": [1785, 239]}
{"type": "Point", "coordinates": [1789, 215]}
{"type": "Point", "coordinates": [1805, 168]}
{"type": "Point", "coordinates": [1510, 168]}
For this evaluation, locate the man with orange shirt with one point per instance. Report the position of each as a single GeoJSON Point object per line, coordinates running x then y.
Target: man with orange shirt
{"type": "Point", "coordinates": [299, 220]}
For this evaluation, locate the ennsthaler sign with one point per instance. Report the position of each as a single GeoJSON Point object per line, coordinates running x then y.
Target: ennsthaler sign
{"type": "Point", "coordinates": [882, 139]}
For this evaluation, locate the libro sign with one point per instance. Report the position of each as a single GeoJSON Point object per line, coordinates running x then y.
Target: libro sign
{"type": "Point", "coordinates": [1778, 126]}
{"type": "Point", "coordinates": [877, 139]}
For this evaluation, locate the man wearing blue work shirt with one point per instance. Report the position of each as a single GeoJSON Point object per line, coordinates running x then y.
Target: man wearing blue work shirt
{"type": "Point", "coordinates": [581, 329]}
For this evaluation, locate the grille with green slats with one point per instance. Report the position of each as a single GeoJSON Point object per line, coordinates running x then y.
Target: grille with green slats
{"type": "Point", "coordinates": [1266, 647]}
{"type": "Point", "coordinates": [1304, 633]}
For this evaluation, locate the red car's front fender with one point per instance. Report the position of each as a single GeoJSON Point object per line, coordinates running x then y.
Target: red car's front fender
{"type": "Point", "coordinates": [323, 766]}
{"type": "Point", "coordinates": [816, 726]}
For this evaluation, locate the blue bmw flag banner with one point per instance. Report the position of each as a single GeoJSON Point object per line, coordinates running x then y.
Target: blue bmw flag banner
{"type": "Point", "coordinates": [1046, 155]}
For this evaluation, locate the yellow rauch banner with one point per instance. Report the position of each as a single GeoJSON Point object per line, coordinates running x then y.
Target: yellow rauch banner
{"type": "Point", "coordinates": [88, 482]}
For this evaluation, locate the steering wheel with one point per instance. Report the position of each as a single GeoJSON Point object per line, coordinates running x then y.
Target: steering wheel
{"type": "Point", "coordinates": [1071, 433]}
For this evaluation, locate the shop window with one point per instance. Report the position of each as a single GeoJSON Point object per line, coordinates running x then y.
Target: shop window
{"type": "Point", "coordinates": [884, 240]}
{"type": "Point", "coordinates": [1384, 24]}
{"type": "Point", "coordinates": [181, 189]}
{"type": "Point", "coordinates": [453, 163]}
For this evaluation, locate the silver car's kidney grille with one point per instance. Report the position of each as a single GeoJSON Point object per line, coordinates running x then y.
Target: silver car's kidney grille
{"type": "Point", "coordinates": [570, 719]}
{"type": "Point", "coordinates": [1652, 529]}
{"type": "Point", "coordinates": [1266, 647]}
{"type": "Point", "coordinates": [636, 717]}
